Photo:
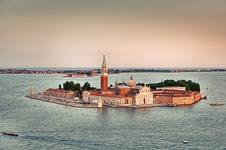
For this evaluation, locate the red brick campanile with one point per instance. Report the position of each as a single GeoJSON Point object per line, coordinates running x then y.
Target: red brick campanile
{"type": "Point", "coordinates": [104, 76]}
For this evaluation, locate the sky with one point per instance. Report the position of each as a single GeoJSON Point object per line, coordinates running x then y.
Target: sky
{"type": "Point", "coordinates": [131, 33]}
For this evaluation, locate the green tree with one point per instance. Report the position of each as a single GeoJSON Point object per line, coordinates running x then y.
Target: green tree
{"type": "Point", "coordinates": [69, 86]}
{"type": "Point", "coordinates": [189, 85]}
{"type": "Point", "coordinates": [86, 86]}
{"type": "Point", "coordinates": [77, 87]}
{"type": "Point", "coordinates": [66, 85]}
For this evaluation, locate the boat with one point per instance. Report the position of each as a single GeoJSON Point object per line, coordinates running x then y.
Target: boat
{"type": "Point", "coordinates": [10, 133]}
{"type": "Point", "coordinates": [205, 97]}
{"type": "Point", "coordinates": [185, 142]}
{"type": "Point", "coordinates": [172, 105]}
{"type": "Point", "coordinates": [216, 104]}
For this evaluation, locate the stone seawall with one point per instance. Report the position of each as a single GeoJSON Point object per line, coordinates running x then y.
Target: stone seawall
{"type": "Point", "coordinates": [60, 102]}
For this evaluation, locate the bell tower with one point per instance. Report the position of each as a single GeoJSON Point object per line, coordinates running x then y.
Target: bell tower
{"type": "Point", "coordinates": [104, 76]}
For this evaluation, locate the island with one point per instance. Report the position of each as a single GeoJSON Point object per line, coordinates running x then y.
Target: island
{"type": "Point", "coordinates": [128, 94]}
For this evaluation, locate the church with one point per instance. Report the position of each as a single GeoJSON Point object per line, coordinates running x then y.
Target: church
{"type": "Point", "coordinates": [119, 95]}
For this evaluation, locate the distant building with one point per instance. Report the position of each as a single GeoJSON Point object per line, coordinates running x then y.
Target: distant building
{"type": "Point", "coordinates": [59, 93]}
{"type": "Point", "coordinates": [119, 95]}
{"type": "Point", "coordinates": [85, 96]}
{"type": "Point", "coordinates": [172, 88]}
{"type": "Point", "coordinates": [176, 97]}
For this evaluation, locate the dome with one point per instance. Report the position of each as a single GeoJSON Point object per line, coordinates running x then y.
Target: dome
{"type": "Point", "coordinates": [131, 82]}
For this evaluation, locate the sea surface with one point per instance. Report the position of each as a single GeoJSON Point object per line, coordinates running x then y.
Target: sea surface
{"type": "Point", "coordinates": [43, 125]}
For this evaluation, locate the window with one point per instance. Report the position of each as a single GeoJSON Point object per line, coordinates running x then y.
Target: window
{"type": "Point", "coordinates": [126, 101]}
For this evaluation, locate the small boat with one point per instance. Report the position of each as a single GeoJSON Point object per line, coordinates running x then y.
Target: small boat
{"type": "Point", "coordinates": [10, 133]}
{"type": "Point", "coordinates": [185, 142]}
{"type": "Point", "coordinates": [172, 105]}
{"type": "Point", "coordinates": [205, 97]}
{"type": "Point", "coordinates": [216, 104]}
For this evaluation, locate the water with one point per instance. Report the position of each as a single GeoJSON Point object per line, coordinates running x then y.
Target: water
{"type": "Point", "coordinates": [44, 125]}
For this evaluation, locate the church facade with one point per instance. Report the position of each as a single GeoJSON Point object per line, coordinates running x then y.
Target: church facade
{"type": "Point", "coordinates": [145, 96]}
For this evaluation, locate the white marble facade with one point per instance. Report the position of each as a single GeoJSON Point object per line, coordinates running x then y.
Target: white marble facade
{"type": "Point", "coordinates": [144, 97]}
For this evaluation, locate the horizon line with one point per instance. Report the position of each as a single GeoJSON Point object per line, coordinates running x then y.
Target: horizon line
{"type": "Point", "coordinates": [113, 67]}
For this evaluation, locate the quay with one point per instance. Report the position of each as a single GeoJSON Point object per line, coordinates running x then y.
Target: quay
{"type": "Point", "coordinates": [60, 101]}
{"type": "Point", "coordinates": [147, 106]}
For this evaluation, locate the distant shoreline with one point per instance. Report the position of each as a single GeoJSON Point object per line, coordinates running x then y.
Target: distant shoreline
{"type": "Point", "coordinates": [89, 71]}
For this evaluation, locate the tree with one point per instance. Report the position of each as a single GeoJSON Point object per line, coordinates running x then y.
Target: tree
{"type": "Point", "coordinates": [66, 85]}
{"type": "Point", "coordinates": [89, 73]}
{"type": "Point", "coordinates": [86, 87]}
{"type": "Point", "coordinates": [77, 87]}
{"type": "Point", "coordinates": [169, 82]}
{"type": "Point", "coordinates": [189, 85]}
{"type": "Point", "coordinates": [60, 86]}
{"type": "Point", "coordinates": [69, 86]}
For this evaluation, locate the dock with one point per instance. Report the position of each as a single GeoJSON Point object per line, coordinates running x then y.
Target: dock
{"type": "Point", "coordinates": [147, 106]}
{"type": "Point", "coordinates": [60, 102]}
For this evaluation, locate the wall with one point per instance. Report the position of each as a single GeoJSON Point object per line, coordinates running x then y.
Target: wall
{"type": "Point", "coordinates": [187, 100]}
{"type": "Point", "coordinates": [111, 100]}
{"type": "Point", "coordinates": [162, 99]}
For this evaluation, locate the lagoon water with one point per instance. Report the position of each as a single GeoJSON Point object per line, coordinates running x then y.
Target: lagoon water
{"type": "Point", "coordinates": [44, 125]}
